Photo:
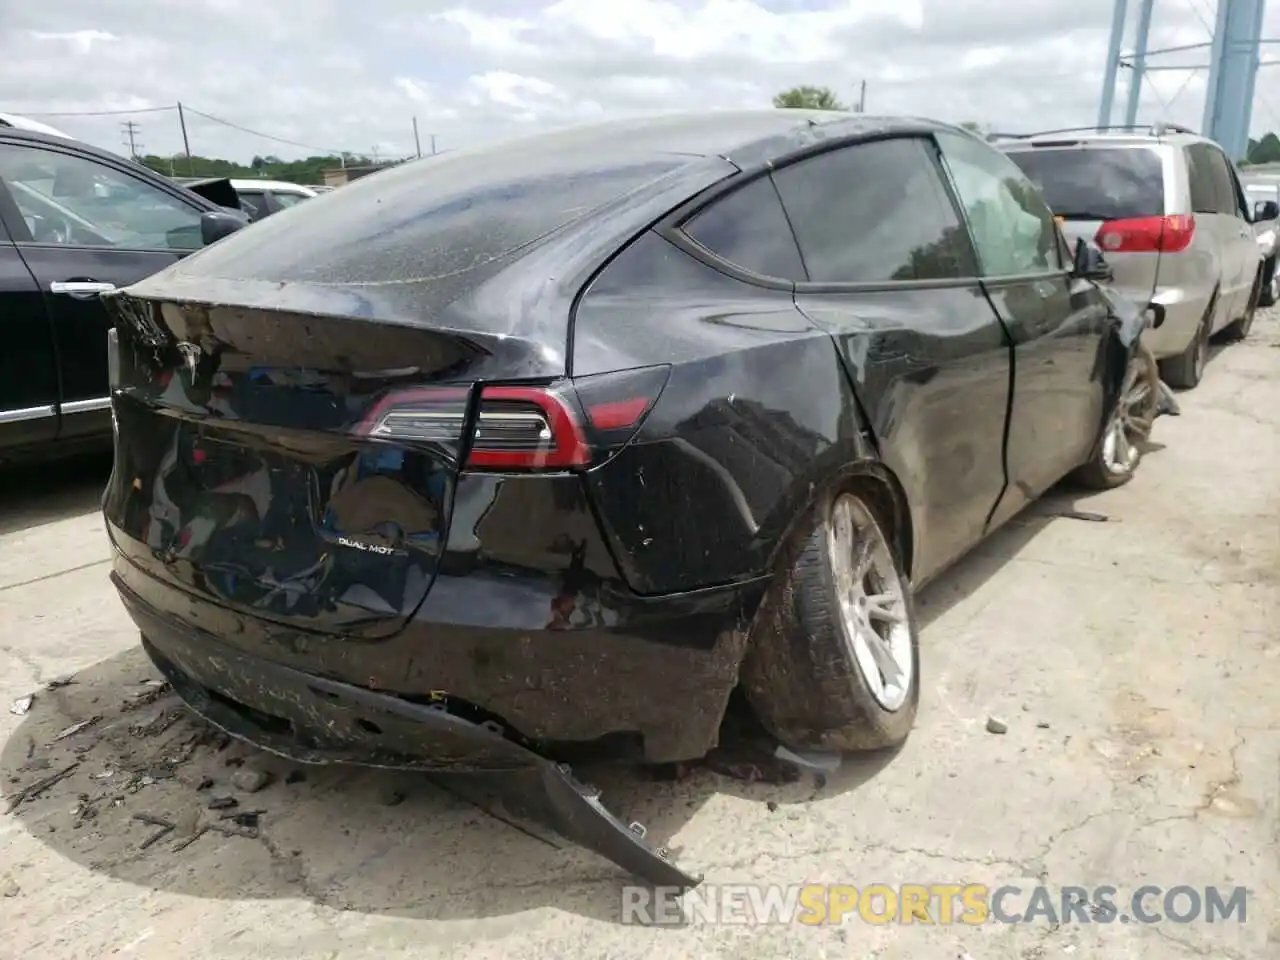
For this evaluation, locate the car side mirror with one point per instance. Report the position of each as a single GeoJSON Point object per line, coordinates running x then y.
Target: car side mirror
{"type": "Point", "coordinates": [1090, 264]}
{"type": "Point", "coordinates": [1266, 210]}
{"type": "Point", "coordinates": [217, 224]}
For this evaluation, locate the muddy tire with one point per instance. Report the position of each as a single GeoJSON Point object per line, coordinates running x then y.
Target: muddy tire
{"type": "Point", "coordinates": [1127, 430]}
{"type": "Point", "coordinates": [1185, 371]}
{"type": "Point", "coordinates": [815, 679]}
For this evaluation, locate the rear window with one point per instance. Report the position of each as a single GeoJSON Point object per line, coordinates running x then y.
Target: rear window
{"type": "Point", "coordinates": [432, 222]}
{"type": "Point", "coordinates": [1096, 184]}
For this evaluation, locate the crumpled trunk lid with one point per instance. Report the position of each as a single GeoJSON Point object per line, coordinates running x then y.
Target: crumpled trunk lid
{"type": "Point", "coordinates": [242, 475]}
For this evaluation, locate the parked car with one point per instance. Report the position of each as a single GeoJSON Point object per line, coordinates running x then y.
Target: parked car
{"type": "Point", "coordinates": [1262, 190]}
{"type": "Point", "coordinates": [540, 452]}
{"type": "Point", "coordinates": [261, 198]}
{"type": "Point", "coordinates": [76, 221]}
{"type": "Point", "coordinates": [1167, 209]}
{"type": "Point", "coordinates": [16, 122]}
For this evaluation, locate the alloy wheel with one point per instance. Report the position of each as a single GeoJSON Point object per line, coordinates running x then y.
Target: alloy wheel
{"type": "Point", "coordinates": [872, 599]}
{"type": "Point", "coordinates": [1130, 424]}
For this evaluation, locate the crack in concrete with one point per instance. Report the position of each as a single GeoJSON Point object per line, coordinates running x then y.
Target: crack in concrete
{"type": "Point", "coordinates": [54, 575]}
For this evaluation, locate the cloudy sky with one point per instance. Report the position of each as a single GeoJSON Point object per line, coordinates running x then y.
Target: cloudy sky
{"type": "Point", "coordinates": [352, 75]}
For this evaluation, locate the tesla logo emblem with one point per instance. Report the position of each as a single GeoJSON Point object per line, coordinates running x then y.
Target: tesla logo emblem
{"type": "Point", "coordinates": [190, 356]}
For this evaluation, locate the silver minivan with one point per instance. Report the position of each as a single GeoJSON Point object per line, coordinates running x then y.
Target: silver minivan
{"type": "Point", "coordinates": [1167, 209]}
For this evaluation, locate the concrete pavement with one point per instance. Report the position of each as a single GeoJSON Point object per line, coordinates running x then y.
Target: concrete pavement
{"type": "Point", "coordinates": [1135, 662]}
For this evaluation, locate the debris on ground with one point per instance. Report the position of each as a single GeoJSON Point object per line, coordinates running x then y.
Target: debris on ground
{"type": "Point", "coordinates": [9, 888]}
{"type": "Point", "coordinates": [223, 803]}
{"type": "Point", "coordinates": [157, 722]}
{"type": "Point", "coordinates": [1043, 725]}
{"type": "Point", "coordinates": [75, 728]}
{"type": "Point", "coordinates": [1081, 515]}
{"type": "Point", "coordinates": [155, 689]}
{"type": "Point", "coordinates": [244, 818]}
{"type": "Point", "coordinates": [34, 790]}
{"type": "Point", "coordinates": [64, 680]}
{"type": "Point", "coordinates": [996, 725]}
{"type": "Point", "coordinates": [295, 776]}
{"type": "Point", "coordinates": [205, 783]}
{"type": "Point", "coordinates": [22, 705]}
{"type": "Point", "coordinates": [248, 780]}
{"type": "Point", "coordinates": [165, 828]}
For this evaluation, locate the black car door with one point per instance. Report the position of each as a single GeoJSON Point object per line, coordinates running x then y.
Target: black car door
{"type": "Point", "coordinates": [1057, 324]}
{"type": "Point", "coordinates": [28, 361]}
{"type": "Point", "coordinates": [84, 226]}
{"type": "Point", "coordinates": [892, 277]}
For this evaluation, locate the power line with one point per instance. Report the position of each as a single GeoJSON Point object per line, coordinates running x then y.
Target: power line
{"type": "Point", "coordinates": [95, 113]}
{"type": "Point", "coordinates": [265, 136]}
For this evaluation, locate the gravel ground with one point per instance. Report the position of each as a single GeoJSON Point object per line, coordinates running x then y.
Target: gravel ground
{"type": "Point", "coordinates": [1133, 661]}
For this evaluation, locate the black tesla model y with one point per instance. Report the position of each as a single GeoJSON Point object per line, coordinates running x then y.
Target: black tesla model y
{"type": "Point", "coordinates": [502, 456]}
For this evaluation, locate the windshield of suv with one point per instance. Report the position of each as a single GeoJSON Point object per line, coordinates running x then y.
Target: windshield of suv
{"type": "Point", "coordinates": [1096, 184]}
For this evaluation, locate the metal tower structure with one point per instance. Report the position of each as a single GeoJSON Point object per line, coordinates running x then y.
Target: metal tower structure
{"type": "Point", "coordinates": [1234, 59]}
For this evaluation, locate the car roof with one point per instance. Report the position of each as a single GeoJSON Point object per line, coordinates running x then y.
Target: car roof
{"type": "Point", "coordinates": [1136, 136]}
{"type": "Point", "coordinates": [717, 133]}
{"type": "Point", "coordinates": [16, 122]}
{"type": "Point", "coordinates": [283, 186]}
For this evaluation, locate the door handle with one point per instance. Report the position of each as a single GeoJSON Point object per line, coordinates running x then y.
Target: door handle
{"type": "Point", "coordinates": [81, 289]}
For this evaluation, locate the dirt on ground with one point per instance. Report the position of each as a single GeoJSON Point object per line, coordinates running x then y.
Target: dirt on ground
{"type": "Point", "coordinates": [1099, 708]}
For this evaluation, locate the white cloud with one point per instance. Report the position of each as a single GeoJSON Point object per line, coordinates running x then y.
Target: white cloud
{"type": "Point", "coordinates": [332, 76]}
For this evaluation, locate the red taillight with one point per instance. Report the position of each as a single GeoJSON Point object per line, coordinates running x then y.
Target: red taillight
{"type": "Point", "coordinates": [522, 427]}
{"type": "Point", "coordinates": [1147, 234]}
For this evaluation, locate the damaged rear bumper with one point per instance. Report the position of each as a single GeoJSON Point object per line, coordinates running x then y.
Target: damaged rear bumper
{"type": "Point", "coordinates": [314, 720]}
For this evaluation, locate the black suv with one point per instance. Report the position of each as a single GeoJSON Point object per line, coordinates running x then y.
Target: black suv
{"type": "Point", "coordinates": [76, 221]}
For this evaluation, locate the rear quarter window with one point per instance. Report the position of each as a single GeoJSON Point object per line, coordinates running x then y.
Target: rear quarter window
{"type": "Point", "coordinates": [1093, 183]}
{"type": "Point", "coordinates": [749, 228]}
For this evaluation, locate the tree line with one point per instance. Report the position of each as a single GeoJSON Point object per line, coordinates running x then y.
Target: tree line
{"type": "Point", "coordinates": [310, 170]}
{"type": "Point", "coordinates": [307, 171]}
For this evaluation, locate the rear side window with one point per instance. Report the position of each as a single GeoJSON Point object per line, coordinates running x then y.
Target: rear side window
{"type": "Point", "coordinates": [1224, 182]}
{"type": "Point", "coordinates": [749, 228]}
{"type": "Point", "coordinates": [875, 212]}
{"type": "Point", "coordinates": [1204, 191]}
{"type": "Point", "coordinates": [1096, 183]}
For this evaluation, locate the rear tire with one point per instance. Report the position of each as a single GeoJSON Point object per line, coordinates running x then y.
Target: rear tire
{"type": "Point", "coordinates": [1120, 446]}
{"type": "Point", "coordinates": [1184, 372]}
{"type": "Point", "coordinates": [835, 662]}
{"type": "Point", "coordinates": [1270, 284]}
{"type": "Point", "coordinates": [1239, 328]}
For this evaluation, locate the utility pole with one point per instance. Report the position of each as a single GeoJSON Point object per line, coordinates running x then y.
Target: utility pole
{"type": "Point", "coordinates": [862, 98]}
{"type": "Point", "coordinates": [186, 144]}
{"type": "Point", "coordinates": [433, 144]}
{"type": "Point", "coordinates": [130, 133]}
{"type": "Point", "coordinates": [417, 144]}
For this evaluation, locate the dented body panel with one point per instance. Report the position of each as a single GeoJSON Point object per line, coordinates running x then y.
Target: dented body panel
{"type": "Point", "coordinates": [337, 591]}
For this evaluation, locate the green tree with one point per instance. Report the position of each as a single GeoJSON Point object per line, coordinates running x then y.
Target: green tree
{"type": "Point", "coordinates": [1266, 150]}
{"type": "Point", "coordinates": [808, 98]}
{"type": "Point", "coordinates": [310, 170]}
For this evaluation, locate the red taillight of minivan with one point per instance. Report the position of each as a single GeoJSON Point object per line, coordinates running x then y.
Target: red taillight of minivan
{"type": "Point", "coordinates": [523, 428]}
{"type": "Point", "coordinates": [1147, 234]}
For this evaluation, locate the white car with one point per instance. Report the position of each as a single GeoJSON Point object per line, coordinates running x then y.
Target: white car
{"type": "Point", "coordinates": [26, 123]}
{"type": "Point", "coordinates": [1267, 233]}
{"type": "Point", "coordinates": [261, 198]}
